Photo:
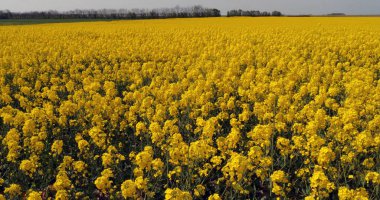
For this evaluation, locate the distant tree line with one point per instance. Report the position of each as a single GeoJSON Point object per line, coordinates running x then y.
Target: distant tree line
{"type": "Point", "coordinates": [176, 12]}
{"type": "Point", "coordinates": [336, 14]}
{"type": "Point", "coordinates": [252, 13]}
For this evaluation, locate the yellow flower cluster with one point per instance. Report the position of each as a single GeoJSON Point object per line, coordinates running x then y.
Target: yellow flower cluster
{"type": "Point", "coordinates": [29, 166]}
{"type": "Point", "coordinates": [345, 193]}
{"type": "Point", "coordinates": [13, 190]}
{"type": "Point", "coordinates": [171, 194]}
{"type": "Point", "coordinates": [214, 197]}
{"type": "Point", "coordinates": [211, 108]}
{"type": "Point", "coordinates": [278, 178]}
{"type": "Point", "coordinates": [12, 141]}
{"type": "Point", "coordinates": [103, 183]}
{"type": "Point", "coordinates": [56, 147]}
{"type": "Point", "coordinates": [320, 185]}
{"type": "Point", "coordinates": [325, 156]}
{"type": "Point", "coordinates": [33, 195]}
{"type": "Point", "coordinates": [374, 177]}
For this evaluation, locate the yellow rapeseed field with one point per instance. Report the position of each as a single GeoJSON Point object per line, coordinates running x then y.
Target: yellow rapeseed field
{"type": "Point", "coordinates": [216, 108]}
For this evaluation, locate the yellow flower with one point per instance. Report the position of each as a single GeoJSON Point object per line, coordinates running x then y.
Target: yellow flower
{"type": "Point", "coordinates": [216, 161]}
{"type": "Point", "coordinates": [368, 163]}
{"type": "Point", "coordinates": [158, 166]}
{"type": "Point", "coordinates": [29, 127]}
{"type": "Point", "coordinates": [200, 150]}
{"type": "Point", "coordinates": [13, 190]}
{"type": "Point", "coordinates": [373, 177]}
{"type": "Point", "coordinates": [62, 181]}
{"type": "Point", "coordinates": [66, 163]}
{"type": "Point", "coordinates": [236, 167]}
{"type": "Point", "coordinates": [34, 196]}
{"type": "Point", "coordinates": [62, 195]}
{"type": "Point", "coordinates": [79, 166]}
{"type": "Point", "coordinates": [309, 198]}
{"type": "Point", "coordinates": [56, 147]}
{"type": "Point", "coordinates": [261, 135]}
{"type": "Point", "coordinates": [176, 193]}
{"type": "Point", "coordinates": [144, 158]}
{"type": "Point", "coordinates": [129, 189]}
{"type": "Point", "coordinates": [83, 145]}
{"type": "Point", "coordinates": [107, 160]}
{"type": "Point", "coordinates": [303, 172]}
{"type": "Point", "coordinates": [98, 137]}
{"type": "Point", "coordinates": [70, 86]}
{"type": "Point", "coordinates": [36, 145]}
{"type": "Point", "coordinates": [325, 156]}
{"type": "Point", "coordinates": [344, 193]}
{"type": "Point", "coordinates": [320, 184]}
{"type": "Point", "coordinates": [178, 150]}
{"type": "Point", "coordinates": [157, 133]}
{"type": "Point", "coordinates": [28, 166]}
{"type": "Point", "coordinates": [278, 178]}
{"type": "Point", "coordinates": [199, 190]}
{"type": "Point", "coordinates": [141, 183]}
{"type": "Point", "coordinates": [11, 140]}
{"type": "Point", "coordinates": [283, 145]}
{"type": "Point", "coordinates": [214, 197]}
{"type": "Point", "coordinates": [103, 183]}
{"type": "Point", "coordinates": [140, 127]}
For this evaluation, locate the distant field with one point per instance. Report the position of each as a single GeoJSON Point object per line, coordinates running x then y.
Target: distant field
{"type": "Point", "coordinates": [44, 21]}
{"type": "Point", "coordinates": [47, 21]}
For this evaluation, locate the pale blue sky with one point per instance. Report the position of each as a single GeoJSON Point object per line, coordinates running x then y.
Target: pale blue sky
{"type": "Point", "coordinates": [285, 6]}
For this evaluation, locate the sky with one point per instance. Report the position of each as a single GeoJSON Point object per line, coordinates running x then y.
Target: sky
{"type": "Point", "coordinates": [354, 7]}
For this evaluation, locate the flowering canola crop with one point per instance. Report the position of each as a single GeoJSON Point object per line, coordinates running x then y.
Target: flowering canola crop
{"type": "Point", "coordinates": [217, 108]}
